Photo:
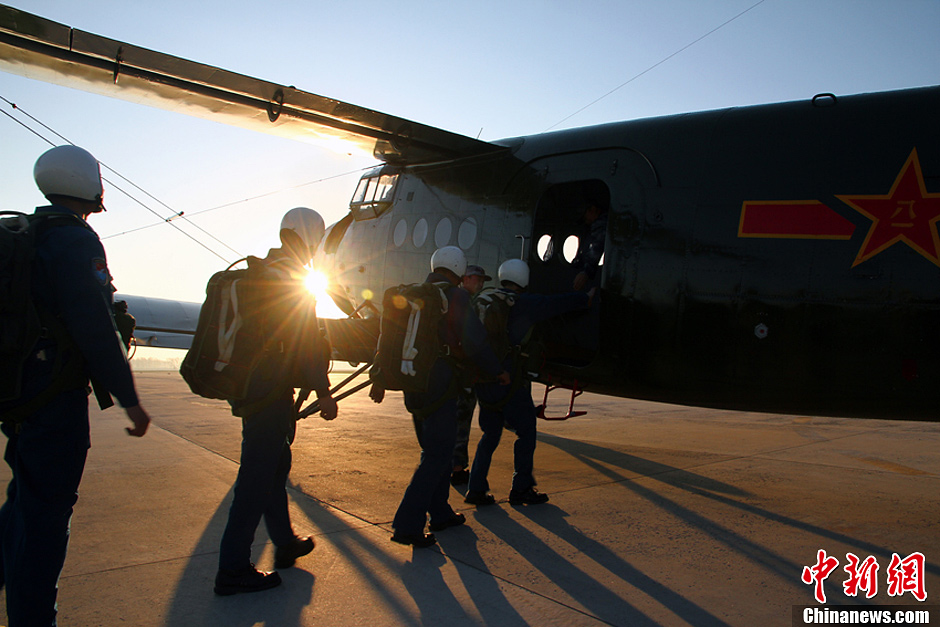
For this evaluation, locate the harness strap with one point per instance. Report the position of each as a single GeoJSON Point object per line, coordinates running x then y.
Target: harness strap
{"type": "Point", "coordinates": [408, 350]}
{"type": "Point", "coordinates": [228, 329]}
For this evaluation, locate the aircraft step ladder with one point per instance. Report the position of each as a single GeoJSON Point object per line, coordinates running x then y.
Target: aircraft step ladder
{"type": "Point", "coordinates": [575, 393]}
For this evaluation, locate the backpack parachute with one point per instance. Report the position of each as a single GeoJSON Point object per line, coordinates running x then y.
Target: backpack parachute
{"type": "Point", "coordinates": [22, 323]}
{"type": "Point", "coordinates": [409, 340]}
{"type": "Point", "coordinates": [19, 322]}
{"type": "Point", "coordinates": [248, 314]}
{"type": "Point", "coordinates": [492, 307]}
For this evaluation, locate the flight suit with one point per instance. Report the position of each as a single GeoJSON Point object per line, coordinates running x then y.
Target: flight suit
{"type": "Point", "coordinates": [268, 429]}
{"type": "Point", "coordinates": [47, 451]}
{"type": "Point", "coordinates": [427, 493]}
{"type": "Point", "coordinates": [513, 405]}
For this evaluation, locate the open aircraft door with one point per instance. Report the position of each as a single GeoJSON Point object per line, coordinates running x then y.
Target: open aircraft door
{"type": "Point", "coordinates": [611, 180]}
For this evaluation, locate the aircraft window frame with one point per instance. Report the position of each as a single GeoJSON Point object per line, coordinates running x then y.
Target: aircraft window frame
{"type": "Point", "coordinates": [443, 232]}
{"type": "Point", "coordinates": [467, 233]}
{"type": "Point", "coordinates": [545, 247]}
{"type": "Point", "coordinates": [384, 186]}
{"type": "Point", "coordinates": [374, 195]}
{"type": "Point", "coordinates": [569, 249]}
{"type": "Point", "coordinates": [360, 192]}
{"type": "Point", "coordinates": [400, 234]}
{"type": "Point", "coordinates": [420, 234]}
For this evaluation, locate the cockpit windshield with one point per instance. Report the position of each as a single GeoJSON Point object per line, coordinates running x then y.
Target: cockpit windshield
{"type": "Point", "coordinates": [374, 194]}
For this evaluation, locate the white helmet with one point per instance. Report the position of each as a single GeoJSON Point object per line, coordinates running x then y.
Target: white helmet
{"type": "Point", "coordinates": [515, 270]}
{"type": "Point", "coordinates": [307, 224]}
{"type": "Point", "coordinates": [449, 257]}
{"type": "Point", "coordinates": [69, 171]}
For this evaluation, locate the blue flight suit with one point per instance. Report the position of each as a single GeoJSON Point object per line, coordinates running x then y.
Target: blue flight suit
{"type": "Point", "coordinates": [47, 451]}
{"type": "Point", "coordinates": [268, 429]}
{"type": "Point", "coordinates": [514, 403]}
{"type": "Point", "coordinates": [427, 493]}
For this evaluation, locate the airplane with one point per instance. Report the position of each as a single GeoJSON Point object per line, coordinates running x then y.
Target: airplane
{"type": "Point", "coordinates": [771, 258]}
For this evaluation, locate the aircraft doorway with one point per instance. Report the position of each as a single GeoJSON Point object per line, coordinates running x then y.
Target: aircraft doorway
{"type": "Point", "coordinates": [567, 253]}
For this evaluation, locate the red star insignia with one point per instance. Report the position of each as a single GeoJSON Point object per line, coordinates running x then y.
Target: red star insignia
{"type": "Point", "coordinates": [906, 214]}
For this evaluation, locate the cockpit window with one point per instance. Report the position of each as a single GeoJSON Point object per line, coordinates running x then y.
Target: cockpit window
{"type": "Point", "coordinates": [383, 191]}
{"type": "Point", "coordinates": [374, 195]}
{"type": "Point", "coordinates": [360, 193]}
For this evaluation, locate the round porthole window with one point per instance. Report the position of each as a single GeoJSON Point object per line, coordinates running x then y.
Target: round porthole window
{"type": "Point", "coordinates": [545, 247]}
{"type": "Point", "coordinates": [467, 233]}
{"type": "Point", "coordinates": [421, 233]}
{"type": "Point", "coordinates": [401, 232]}
{"type": "Point", "coordinates": [443, 232]}
{"type": "Point", "coordinates": [570, 249]}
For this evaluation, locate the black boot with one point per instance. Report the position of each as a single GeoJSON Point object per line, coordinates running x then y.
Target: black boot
{"type": "Point", "coordinates": [285, 556]}
{"type": "Point", "coordinates": [246, 580]}
{"type": "Point", "coordinates": [527, 497]}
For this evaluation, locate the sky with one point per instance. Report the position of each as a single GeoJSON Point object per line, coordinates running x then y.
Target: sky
{"type": "Point", "coordinates": [488, 69]}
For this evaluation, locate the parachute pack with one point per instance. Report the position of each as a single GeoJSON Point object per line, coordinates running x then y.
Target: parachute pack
{"type": "Point", "coordinates": [492, 306]}
{"type": "Point", "coordinates": [409, 342]}
{"type": "Point", "coordinates": [21, 323]}
{"type": "Point", "coordinates": [248, 314]}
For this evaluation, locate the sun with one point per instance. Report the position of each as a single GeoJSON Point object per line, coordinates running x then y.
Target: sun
{"type": "Point", "coordinates": [317, 284]}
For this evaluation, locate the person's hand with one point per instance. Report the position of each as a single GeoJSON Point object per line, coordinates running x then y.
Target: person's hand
{"type": "Point", "coordinates": [328, 407]}
{"type": "Point", "coordinates": [504, 378]}
{"type": "Point", "coordinates": [141, 421]}
{"type": "Point", "coordinates": [377, 393]}
{"type": "Point", "coordinates": [579, 281]}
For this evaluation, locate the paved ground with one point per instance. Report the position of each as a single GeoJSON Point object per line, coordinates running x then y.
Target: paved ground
{"type": "Point", "coordinates": [659, 515]}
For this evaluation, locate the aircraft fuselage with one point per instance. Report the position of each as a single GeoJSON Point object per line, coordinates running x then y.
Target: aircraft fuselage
{"type": "Point", "coordinates": [772, 258]}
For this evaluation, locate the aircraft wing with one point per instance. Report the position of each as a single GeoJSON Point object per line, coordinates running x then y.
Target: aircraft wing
{"type": "Point", "coordinates": [162, 323]}
{"type": "Point", "coordinates": [39, 48]}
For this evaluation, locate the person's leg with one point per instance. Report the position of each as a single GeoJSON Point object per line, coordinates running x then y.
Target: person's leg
{"type": "Point", "coordinates": [277, 513]}
{"type": "Point", "coordinates": [47, 458]}
{"type": "Point", "coordinates": [263, 442]}
{"type": "Point", "coordinates": [523, 420]}
{"type": "Point", "coordinates": [491, 424]}
{"type": "Point", "coordinates": [430, 482]}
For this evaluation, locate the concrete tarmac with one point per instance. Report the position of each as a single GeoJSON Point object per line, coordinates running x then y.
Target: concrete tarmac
{"type": "Point", "coordinates": [659, 515]}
